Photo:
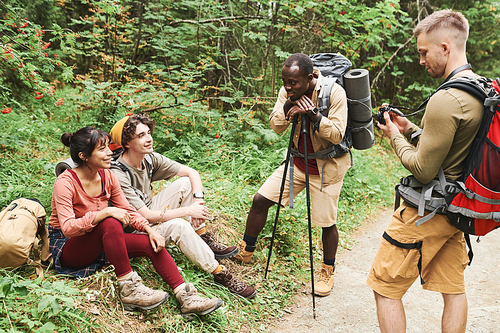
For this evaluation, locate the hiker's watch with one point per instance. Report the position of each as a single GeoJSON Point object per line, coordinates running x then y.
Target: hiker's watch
{"type": "Point", "coordinates": [198, 195]}
{"type": "Point", "coordinates": [313, 112]}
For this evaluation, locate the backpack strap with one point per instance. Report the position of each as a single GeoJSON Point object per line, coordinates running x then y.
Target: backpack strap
{"type": "Point", "coordinates": [469, 245]}
{"type": "Point", "coordinates": [344, 146]}
{"type": "Point", "coordinates": [149, 165]}
{"type": "Point", "coordinates": [115, 164]}
{"type": "Point", "coordinates": [44, 236]}
{"type": "Point", "coordinates": [119, 165]}
{"type": "Point", "coordinates": [324, 95]}
{"type": "Point", "coordinates": [42, 256]}
{"type": "Point", "coordinates": [467, 84]}
{"type": "Point", "coordinates": [424, 200]}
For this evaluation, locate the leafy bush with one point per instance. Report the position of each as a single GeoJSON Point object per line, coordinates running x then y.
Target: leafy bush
{"type": "Point", "coordinates": [40, 305]}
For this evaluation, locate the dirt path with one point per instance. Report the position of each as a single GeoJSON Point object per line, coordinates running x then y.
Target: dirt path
{"type": "Point", "coordinates": [351, 306]}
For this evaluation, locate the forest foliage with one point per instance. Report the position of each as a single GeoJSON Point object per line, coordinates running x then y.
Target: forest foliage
{"type": "Point", "coordinates": [208, 72]}
{"type": "Point", "coordinates": [166, 55]}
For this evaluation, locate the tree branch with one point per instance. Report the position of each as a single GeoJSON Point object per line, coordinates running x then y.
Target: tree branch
{"type": "Point", "coordinates": [229, 18]}
{"type": "Point", "coordinates": [389, 61]}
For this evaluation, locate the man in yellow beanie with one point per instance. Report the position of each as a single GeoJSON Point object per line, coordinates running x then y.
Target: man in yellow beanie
{"type": "Point", "coordinates": [137, 167]}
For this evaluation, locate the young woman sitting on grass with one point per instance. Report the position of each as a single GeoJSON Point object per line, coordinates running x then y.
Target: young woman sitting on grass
{"type": "Point", "coordinates": [86, 233]}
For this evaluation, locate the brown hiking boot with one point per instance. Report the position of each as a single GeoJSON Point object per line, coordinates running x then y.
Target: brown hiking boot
{"type": "Point", "coordinates": [234, 284]}
{"type": "Point", "coordinates": [192, 303]}
{"type": "Point", "coordinates": [134, 294]}
{"type": "Point", "coordinates": [245, 252]}
{"type": "Point", "coordinates": [221, 251]}
{"type": "Point", "coordinates": [325, 282]}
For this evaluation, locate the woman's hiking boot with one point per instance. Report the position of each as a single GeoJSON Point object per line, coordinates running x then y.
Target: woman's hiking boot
{"type": "Point", "coordinates": [245, 252]}
{"type": "Point", "coordinates": [324, 285]}
{"type": "Point", "coordinates": [134, 294]}
{"type": "Point", "coordinates": [221, 251]}
{"type": "Point", "coordinates": [235, 285]}
{"type": "Point", "coordinates": [192, 303]}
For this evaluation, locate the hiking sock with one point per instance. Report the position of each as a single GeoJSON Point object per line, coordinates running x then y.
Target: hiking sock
{"type": "Point", "coordinates": [179, 288]}
{"type": "Point", "coordinates": [124, 276]}
{"type": "Point", "coordinates": [201, 231]}
{"type": "Point", "coordinates": [330, 262]}
{"type": "Point", "coordinates": [217, 270]}
{"type": "Point", "coordinates": [250, 241]}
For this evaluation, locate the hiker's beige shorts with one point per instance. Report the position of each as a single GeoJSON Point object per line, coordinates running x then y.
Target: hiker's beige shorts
{"type": "Point", "coordinates": [324, 201]}
{"type": "Point", "coordinates": [444, 256]}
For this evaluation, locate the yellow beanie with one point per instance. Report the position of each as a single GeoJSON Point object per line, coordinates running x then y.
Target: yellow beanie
{"type": "Point", "coordinates": [117, 131]}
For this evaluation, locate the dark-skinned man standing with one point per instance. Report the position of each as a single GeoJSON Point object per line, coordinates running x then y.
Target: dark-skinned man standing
{"type": "Point", "coordinates": [299, 97]}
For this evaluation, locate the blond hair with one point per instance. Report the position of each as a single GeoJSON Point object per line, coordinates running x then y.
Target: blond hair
{"type": "Point", "coordinates": [445, 19]}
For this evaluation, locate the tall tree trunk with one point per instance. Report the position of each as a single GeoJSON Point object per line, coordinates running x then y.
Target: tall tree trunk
{"type": "Point", "coordinates": [139, 32]}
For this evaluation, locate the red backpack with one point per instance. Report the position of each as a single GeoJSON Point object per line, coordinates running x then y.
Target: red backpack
{"type": "Point", "coordinates": [475, 204]}
{"type": "Point", "coordinates": [471, 203]}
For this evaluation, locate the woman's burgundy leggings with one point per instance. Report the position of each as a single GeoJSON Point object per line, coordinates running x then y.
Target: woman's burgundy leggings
{"type": "Point", "coordinates": [108, 235]}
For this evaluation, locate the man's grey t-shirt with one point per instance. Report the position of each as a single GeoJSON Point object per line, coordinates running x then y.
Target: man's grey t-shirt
{"type": "Point", "coordinates": [163, 169]}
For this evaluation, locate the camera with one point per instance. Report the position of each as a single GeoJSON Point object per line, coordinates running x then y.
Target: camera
{"type": "Point", "coordinates": [383, 109]}
{"type": "Point", "coordinates": [380, 114]}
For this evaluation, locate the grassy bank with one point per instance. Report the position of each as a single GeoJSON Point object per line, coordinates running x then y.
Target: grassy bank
{"type": "Point", "coordinates": [232, 173]}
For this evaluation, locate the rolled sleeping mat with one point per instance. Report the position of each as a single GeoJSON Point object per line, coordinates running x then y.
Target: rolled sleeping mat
{"type": "Point", "coordinates": [357, 87]}
{"type": "Point", "coordinates": [64, 165]}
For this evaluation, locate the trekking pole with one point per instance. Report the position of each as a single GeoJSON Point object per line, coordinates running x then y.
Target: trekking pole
{"type": "Point", "coordinates": [304, 133]}
{"type": "Point", "coordinates": [287, 161]}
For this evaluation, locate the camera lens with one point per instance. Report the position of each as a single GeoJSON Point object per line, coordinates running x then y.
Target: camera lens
{"type": "Point", "coordinates": [380, 116]}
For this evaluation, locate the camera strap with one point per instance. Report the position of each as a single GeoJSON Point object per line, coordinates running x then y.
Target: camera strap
{"type": "Point", "coordinates": [421, 107]}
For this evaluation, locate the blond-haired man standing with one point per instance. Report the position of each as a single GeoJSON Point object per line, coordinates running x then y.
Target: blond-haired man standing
{"type": "Point", "coordinates": [435, 250]}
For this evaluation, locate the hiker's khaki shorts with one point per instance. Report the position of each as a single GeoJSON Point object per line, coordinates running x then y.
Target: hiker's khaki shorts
{"type": "Point", "coordinates": [324, 202]}
{"type": "Point", "coordinates": [444, 256]}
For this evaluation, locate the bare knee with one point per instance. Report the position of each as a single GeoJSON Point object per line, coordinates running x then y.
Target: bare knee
{"type": "Point", "coordinates": [386, 302]}
{"type": "Point", "coordinates": [261, 203]}
{"type": "Point", "coordinates": [454, 313]}
{"type": "Point", "coordinates": [454, 298]}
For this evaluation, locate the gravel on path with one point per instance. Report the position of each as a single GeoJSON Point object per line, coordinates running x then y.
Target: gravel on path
{"type": "Point", "coordinates": [351, 305]}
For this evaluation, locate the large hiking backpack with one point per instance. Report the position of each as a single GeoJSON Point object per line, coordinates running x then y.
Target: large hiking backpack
{"type": "Point", "coordinates": [22, 224]}
{"type": "Point", "coordinates": [475, 208]}
{"type": "Point", "coordinates": [336, 68]}
{"type": "Point", "coordinates": [471, 203]}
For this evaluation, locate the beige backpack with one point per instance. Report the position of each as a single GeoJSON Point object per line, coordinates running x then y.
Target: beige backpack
{"type": "Point", "coordinates": [22, 226]}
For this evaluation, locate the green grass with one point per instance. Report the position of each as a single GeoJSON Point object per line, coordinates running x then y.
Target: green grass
{"type": "Point", "coordinates": [232, 172]}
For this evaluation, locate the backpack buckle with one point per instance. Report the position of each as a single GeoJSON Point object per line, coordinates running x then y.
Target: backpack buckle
{"type": "Point", "coordinates": [452, 189]}
{"type": "Point", "coordinates": [405, 181]}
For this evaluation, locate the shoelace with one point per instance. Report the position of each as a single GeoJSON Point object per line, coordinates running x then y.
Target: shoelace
{"type": "Point", "coordinates": [193, 297]}
{"type": "Point", "coordinates": [144, 290]}
{"type": "Point", "coordinates": [323, 275]}
{"type": "Point", "coordinates": [236, 283]}
{"type": "Point", "coordinates": [212, 243]}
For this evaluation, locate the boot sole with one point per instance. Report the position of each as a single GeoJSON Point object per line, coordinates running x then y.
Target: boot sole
{"type": "Point", "coordinates": [321, 294]}
{"type": "Point", "coordinates": [190, 315]}
{"type": "Point", "coordinates": [133, 307]}
{"type": "Point", "coordinates": [251, 295]}
{"type": "Point", "coordinates": [227, 255]}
